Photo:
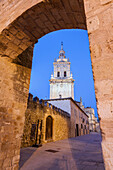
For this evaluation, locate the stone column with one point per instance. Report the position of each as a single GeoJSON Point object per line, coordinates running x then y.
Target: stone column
{"type": "Point", "coordinates": [14, 89]}
{"type": "Point", "coordinates": [99, 16]}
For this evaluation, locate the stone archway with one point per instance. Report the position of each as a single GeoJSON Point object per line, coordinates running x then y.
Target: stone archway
{"type": "Point", "coordinates": [49, 128]}
{"type": "Point", "coordinates": [22, 23]}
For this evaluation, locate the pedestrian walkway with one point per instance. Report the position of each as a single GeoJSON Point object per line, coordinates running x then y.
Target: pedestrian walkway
{"type": "Point", "coordinates": [80, 153]}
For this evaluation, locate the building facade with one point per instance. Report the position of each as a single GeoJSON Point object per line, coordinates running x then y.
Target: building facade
{"type": "Point", "coordinates": [79, 119]}
{"type": "Point", "coordinates": [93, 123]}
{"type": "Point", "coordinates": [61, 82]}
{"type": "Point", "coordinates": [43, 123]}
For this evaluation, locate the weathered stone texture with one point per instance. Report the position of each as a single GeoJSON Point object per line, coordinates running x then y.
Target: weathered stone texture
{"type": "Point", "coordinates": [14, 85]}
{"type": "Point", "coordinates": [21, 24]}
{"type": "Point", "coordinates": [100, 37]}
{"type": "Point", "coordinates": [36, 114]}
{"type": "Point", "coordinates": [63, 127]}
{"type": "Point", "coordinates": [37, 21]}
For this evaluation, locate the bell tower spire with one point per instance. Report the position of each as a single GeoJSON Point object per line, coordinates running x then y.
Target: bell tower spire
{"type": "Point", "coordinates": [62, 52]}
{"type": "Point", "coordinates": [61, 82]}
{"type": "Point", "coordinates": [62, 45]}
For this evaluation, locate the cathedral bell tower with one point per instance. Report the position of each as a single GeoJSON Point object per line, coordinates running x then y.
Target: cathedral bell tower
{"type": "Point", "coordinates": [61, 82]}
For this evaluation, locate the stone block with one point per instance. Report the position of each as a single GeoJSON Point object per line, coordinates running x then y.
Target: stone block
{"type": "Point", "coordinates": [15, 167]}
{"type": "Point", "coordinates": [95, 51]}
{"type": "Point", "coordinates": [3, 39]}
{"type": "Point", "coordinates": [104, 89]}
{"type": "Point", "coordinates": [92, 24]}
{"type": "Point", "coordinates": [106, 18]}
{"type": "Point", "coordinates": [20, 35]}
{"type": "Point", "coordinates": [17, 41]}
{"type": "Point", "coordinates": [91, 6]}
{"type": "Point", "coordinates": [23, 46]}
{"type": "Point", "coordinates": [103, 69]}
{"type": "Point", "coordinates": [8, 168]}
{"type": "Point", "coordinates": [105, 107]}
{"type": "Point", "coordinates": [8, 35]}
{"type": "Point", "coordinates": [13, 30]}
{"type": "Point", "coordinates": [13, 46]}
{"type": "Point", "coordinates": [7, 162]}
{"type": "Point", "coordinates": [15, 159]}
{"type": "Point", "coordinates": [103, 2]}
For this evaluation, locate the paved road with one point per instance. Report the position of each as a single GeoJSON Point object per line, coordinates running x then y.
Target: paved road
{"type": "Point", "coordinates": [80, 153]}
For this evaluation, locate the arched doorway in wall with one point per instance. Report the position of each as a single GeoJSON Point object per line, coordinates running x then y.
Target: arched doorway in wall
{"type": "Point", "coordinates": [49, 128]}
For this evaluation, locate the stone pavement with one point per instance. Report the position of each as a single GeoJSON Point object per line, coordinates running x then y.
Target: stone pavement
{"type": "Point", "coordinates": [80, 153]}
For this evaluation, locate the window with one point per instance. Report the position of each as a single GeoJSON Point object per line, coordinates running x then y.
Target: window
{"type": "Point", "coordinates": [58, 74]}
{"type": "Point", "coordinates": [60, 96]}
{"type": "Point", "coordinates": [64, 73]}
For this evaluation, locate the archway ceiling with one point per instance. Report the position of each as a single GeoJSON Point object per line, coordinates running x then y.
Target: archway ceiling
{"type": "Point", "coordinates": [44, 17]}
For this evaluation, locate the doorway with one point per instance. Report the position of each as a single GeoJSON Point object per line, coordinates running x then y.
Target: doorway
{"type": "Point", "coordinates": [77, 130]}
{"type": "Point", "coordinates": [49, 128]}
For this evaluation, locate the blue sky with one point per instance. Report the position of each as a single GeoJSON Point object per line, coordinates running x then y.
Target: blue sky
{"type": "Point", "coordinates": [76, 47]}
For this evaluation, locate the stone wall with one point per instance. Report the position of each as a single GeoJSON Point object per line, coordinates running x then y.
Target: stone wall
{"type": "Point", "coordinates": [63, 123]}
{"type": "Point", "coordinates": [99, 17]}
{"type": "Point", "coordinates": [78, 116]}
{"type": "Point", "coordinates": [36, 115]}
{"type": "Point", "coordinates": [22, 23]}
{"type": "Point", "coordinates": [14, 88]}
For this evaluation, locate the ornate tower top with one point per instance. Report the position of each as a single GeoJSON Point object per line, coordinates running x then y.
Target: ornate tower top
{"type": "Point", "coordinates": [61, 82]}
{"type": "Point", "coordinates": [62, 52]}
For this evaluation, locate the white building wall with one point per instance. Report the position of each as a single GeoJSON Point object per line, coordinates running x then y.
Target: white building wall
{"type": "Point", "coordinates": [64, 89]}
{"type": "Point", "coordinates": [62, 104]}
{"type": "Point", "coordinates": [77, 115]}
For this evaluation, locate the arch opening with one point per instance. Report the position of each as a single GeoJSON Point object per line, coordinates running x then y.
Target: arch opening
{"type": "Point", "coordinates": [20, 33]}
{"type": "Point", "coordinates": [17, 39]}
{"type": "Point", "coordinates": [49, 128]}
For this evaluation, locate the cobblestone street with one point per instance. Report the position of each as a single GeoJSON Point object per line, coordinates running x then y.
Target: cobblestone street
{"type": "Point", "coordinates": [80, 153]}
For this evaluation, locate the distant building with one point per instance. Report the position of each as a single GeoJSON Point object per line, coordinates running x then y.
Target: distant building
{"type": "Point", "coordinates": [93, 123]}
{"type": "Point", "coordinates": [61, 82]}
